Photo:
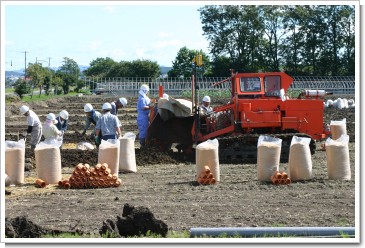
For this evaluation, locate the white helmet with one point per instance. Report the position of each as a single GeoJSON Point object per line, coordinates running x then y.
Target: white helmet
{"type": "Point", "coordinates": [107, 106]}
{"type": "Point", "coordinates": [123, 101]}
{"type": "Point", "coordinates": [64, 114]}
{"type": "Point", "coordinates": [206, 99]}
{"type": "Point", "coordinates": [23, 109]}
{"type": "Point", "coordinates": [52, 117]}
{"type": "Point", "coordinates": [145, 87]}
{"type": "Point", "coordinates": [88, 107]}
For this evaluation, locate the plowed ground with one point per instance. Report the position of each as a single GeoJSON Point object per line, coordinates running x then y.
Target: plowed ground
{"type": "Point", "coordinates": [165, 183]}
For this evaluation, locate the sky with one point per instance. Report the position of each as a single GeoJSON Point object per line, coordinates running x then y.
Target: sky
{"type": "Point", "coordinates": [47, 32]}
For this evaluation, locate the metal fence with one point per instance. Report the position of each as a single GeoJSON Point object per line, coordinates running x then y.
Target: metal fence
{"type": "Point", "coordinates": [175, 86]}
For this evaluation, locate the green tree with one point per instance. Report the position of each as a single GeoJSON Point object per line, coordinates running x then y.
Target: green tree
{"type": "Point", "coordinates": [69, 72]}
{"type": "Point", "coordinates": [236, 32]}
{"type": "Point", "coordinates": [21, 87]}
{"type": "Point", "coordinates": [274, 32]}
{"type": "Point", "coordinates": [221, 66]}
{"type": "Point", "coordinates": [136, 68]}
{"type": "Point", "coordinates": [291, 46]}
{"type": "Point", "coordinates": [301, 39]}
{"type": "Point", "coordinates": [56, 83]}
{"type": "Point", "coordinates": [100, 67]}
{"type": "Point", "coordinates": [119, 69]}
{"type": "Point", "coordinates": [37, 73]}
{"type": "Point", "coordinates": [347, 26]}
{"type": "Point", "coordinates": [182, 66]}
{"type": "Point", "coordinates": [144, 68]}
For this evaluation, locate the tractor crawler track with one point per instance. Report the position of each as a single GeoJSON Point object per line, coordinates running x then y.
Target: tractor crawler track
{"type": "Point", "coordinates": [242, 148]}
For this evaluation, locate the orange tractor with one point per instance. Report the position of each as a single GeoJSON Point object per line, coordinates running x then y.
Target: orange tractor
{"type": "Point", "coordinates": [258, 106]}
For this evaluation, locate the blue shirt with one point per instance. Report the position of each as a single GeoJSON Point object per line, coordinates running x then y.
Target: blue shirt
{"type": "Point", "coordinates": [95, 115]}
{"type": "Point", "coordinates": [114, 110]}
{"type": "Point", "coordinates": [108, 124]}
{"type": "Point", "coordinates": [143, 102]}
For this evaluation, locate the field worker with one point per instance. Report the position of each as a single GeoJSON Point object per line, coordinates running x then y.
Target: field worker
{"type": "Point", "coordinates": [108, 125]}
{"type": "Point", "coordinates": [143, 110]}
{"type": "Point", "coordinates": [118, 104]}
{"type": "Point", "coordinates": [62, 121]}
{"type": "Point", "coordinates": [205, 108]}
{"type": "Point", "coordinates": [92, 116]}
{"type": "Point", "coordinates": [34, 126]}
{"type": "Point", "coordinates": [50, 131]}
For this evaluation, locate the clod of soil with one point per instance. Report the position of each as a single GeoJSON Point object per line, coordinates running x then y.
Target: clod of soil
{"type": "Point", "coordinates": [135, 221]}
{"type": "Point", "coordinates": [21, 227]}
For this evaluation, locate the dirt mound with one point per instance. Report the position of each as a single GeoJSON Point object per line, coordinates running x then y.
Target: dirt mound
{"type": "Point", "coordinates": [151, 155]}
{"type": "Point", "coordinates": [144, 157]}
{"type": "Point", "coordinates": [334, 114]}
{"type": "Point", "coordinates": [12, 109]}
{"type": "Point", "coordinates": [12, 98]}
{"type": "Point", "coordinates": [21, 227]}
{"type": "Point", "coordinates": [72, 157]}
{"type": "Point", "coordinates": [135, 221]}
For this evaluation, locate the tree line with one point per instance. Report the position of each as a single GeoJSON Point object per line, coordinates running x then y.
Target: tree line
{"type": "Point", "coordinates": [316, 40]}
{"type": "Point", "coordinates": [313, 40]}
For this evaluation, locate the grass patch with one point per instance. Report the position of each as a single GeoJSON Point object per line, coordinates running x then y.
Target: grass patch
{"type": "Point", "coordinates": [9, 90]}
{"type": "Point", "coordinates": [173, 234]}
{"type": "Point", "coordinates": [43, 97]}
{"type": "Point", "coordinates": [342, 222]}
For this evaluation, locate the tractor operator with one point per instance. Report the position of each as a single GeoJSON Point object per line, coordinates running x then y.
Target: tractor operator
{"type": "Point", "coordinates": [34, 126]}
{"type": "Point", "coordinates": [205, 108]}
{"type": "Point", "coordinates": [108, 124]}
{"type": "Point", "coordinates": [143, 108]}
{"type": "Point", "coordinates": [92, 116]}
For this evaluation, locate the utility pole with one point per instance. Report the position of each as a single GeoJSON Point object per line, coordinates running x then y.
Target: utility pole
{"type": "Point", "coordinates": [25, 64]}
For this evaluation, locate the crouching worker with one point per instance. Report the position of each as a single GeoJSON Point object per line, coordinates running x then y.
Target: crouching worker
{"type": "Point", "coordinates": [92, 116]}
{"type": "Point", "coordinates": [50, 131]}
{"type": "Point", "coordinates": [108, 125]}
{"type": "Point", "coordinates": [34, 126]}
{"type": "Point", "coordinates": [62, 121]}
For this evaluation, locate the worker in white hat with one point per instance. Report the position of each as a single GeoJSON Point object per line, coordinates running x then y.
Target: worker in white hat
{"type": "Point", "coordinates": [92, 116]}
{"type": "Point", "coordinates": [34, 126]}
{"type": "Point", "coordinates": [118, 104]}
{"type": "Point", "coordinates": [50, 131]}
{"type": "Point", "coordinates": [108, 125]}
{"type": "Point", "coordinates": [62, 120]}
{"type": "Point", "coordinates": [143, 109]}
{"type": "Point", "coordinates": [205, 108]}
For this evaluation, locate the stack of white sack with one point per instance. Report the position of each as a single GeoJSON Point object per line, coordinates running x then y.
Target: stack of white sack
{"type": "Point", "coordinates": [340, 103]}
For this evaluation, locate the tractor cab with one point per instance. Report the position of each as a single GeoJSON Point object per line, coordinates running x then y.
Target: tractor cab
{"type": "Point", "coordinates": [260, 85]}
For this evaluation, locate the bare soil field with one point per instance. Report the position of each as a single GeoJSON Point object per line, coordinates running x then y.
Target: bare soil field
{"type": "Point", "coordinates": [165, 184]}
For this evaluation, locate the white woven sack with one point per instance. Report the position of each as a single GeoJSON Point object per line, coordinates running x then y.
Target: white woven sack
{"type": "Point", "coordinates": [15, 160]}
{"type": "Point", "coordinates": [109, 153]}
{"type": "Point", "coordinates": [207, 154]}
{"type": "Point", "coordinates": [338, 158]}
{"type": "Point", "coordinates": [338, 128]}
{"type": "Point", "coordinates": [300, 160]}
{"type": "Point", "coordinates": [84, 146]}
{"type": "Point", "coordinates": [127, 155]}
{"type": "Point", "coordinates": [7, 180]}
{"type": "Point", "coordinates": [48, 162]}
{"type": "Point", "coordinates": [268, 157]}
